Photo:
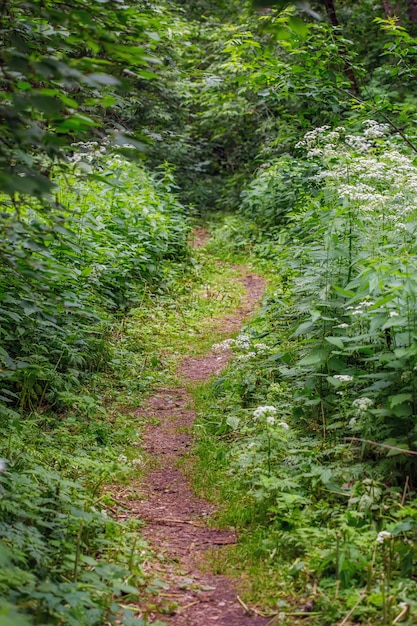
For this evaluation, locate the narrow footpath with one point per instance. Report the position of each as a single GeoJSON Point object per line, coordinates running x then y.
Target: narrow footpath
{"type": "Point", "coordinates": [175, 519]}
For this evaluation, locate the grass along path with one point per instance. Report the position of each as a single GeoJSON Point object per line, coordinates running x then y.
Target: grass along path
{"type": "Point", "coordinates": [175, 519]}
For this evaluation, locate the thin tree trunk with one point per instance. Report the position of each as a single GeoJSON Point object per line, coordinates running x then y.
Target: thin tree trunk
{"type": "Point", "coordinates": [412, 11]}
{"type": "Point", "coordinates": [334, 21]}
{"type": "Point", "coordinates": [391, 10]}
{"type": "Point", "coordinates": [331, 13]}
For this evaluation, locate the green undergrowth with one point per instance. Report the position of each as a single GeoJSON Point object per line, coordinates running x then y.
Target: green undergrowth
{"type": "Point", "coordinates": [65, 559]}
{"type": "Point", "coordinates": [100, 308]}
{"type": "Point", "coordinates": [326, 524]}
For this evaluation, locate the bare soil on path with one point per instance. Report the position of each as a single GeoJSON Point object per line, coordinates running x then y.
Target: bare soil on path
{"type": "Point", "coordinates": [175, 518]}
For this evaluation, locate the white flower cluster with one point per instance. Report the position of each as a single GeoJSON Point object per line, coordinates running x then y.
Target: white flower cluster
{"type": "Point", "coordinates": [375, 130]}
{"type": "Point", "coordinates": [362, 404]}
{"type": "Point", "coordinates": [359, 309]}
{"type": "Point", "coordinates": [223, 346]}
{"type": "Point", "coordinates": [261, 348]}
{"type": "Point", "coordinates": [383, 536]}
{"type": "Point", "coordinates": [343, 378]}
{"type": "Point", "coordinates": [122, 458]}
{"type": "Point", "coordinates": [268, 413]}
{"type": "Point", "coordinates": [312, 137]}
{"type": "Point", "coordinates": [264, 411]}
{"type": "Point", "coordinates": [246, 357]}
{"type": "Point", "coordinates": [242, 342]}
{"type": "Point", "coordinates": [358, 143]}
{"type": "Point", "coordinates": [88, 151]}
{"type": "Point", "coordinates": [374, 179]}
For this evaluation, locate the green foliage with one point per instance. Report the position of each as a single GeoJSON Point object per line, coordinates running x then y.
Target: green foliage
{"type": "Point", "coordinates": [66, 68]}
{"type": "Point", "coordinates": [92, 251]}
{"type": "Point", "coordinates": [338, 363]}
{"type": "Point", "coordinates": [65, 277]}
{"type": "Point", "coordinates": [68, 279]}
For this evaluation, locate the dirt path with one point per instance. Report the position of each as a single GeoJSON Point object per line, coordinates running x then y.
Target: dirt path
{"type": "Point", "coordinates": [174, 516]}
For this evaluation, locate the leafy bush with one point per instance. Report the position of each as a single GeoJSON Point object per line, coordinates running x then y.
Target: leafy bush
{"type": "Point", "coordinates": [68, 278]}
{"type": "Point", "coordinates": [347, 257]}
{"type": "Point", "coordinates": [327, 503]}
{"type": "Point", "coordinates": [65, 275]}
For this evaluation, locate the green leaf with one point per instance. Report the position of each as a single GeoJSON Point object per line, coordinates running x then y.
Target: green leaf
{"type": "Point", "coordinates": [317, 356]}
{"type": "Point", "coordinates": [400, 398]}
{"type": "Point", "coordinates": [233, 422]}
{"type": "Point", "coordinates": [303, 328]}
{"type": "Point", "coordinates": [336, 341]}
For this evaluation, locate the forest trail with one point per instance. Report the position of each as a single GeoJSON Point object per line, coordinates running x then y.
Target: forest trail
{"type": "Point", "coordinates": [175, 519]}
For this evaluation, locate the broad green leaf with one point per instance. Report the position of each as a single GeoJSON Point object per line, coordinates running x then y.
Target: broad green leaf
{"type": "Point", "coordinates": [317, 356]}
{"type": "Point", "coordinates": [336, 341]}
{"type": "Point", "coordinates": [399, 398]}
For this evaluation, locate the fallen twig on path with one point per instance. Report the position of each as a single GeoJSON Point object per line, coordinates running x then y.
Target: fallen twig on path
{"type": "Point", "coordinates": [187, 606]}
{"type": "Point", "coordinates": [169, 520]}
{"type": "Point", "coordinates": [245, 606]}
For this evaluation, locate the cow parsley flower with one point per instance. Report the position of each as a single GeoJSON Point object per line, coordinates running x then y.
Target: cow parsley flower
{"type": "Point", "coordinates": [383, 536]}
{"type": "Point", "coordinates": [261, 348]}
{"type": "Point", "coordinates": [362, 404]}
{"type": "Point", "coordinates": [246, 357]}
{"type": "Point", "coordinates": [343, 378]}
{"type": "Point", "coordinates": [223, 346]}
{"type": "Point", "coordinates": [243, 341]}
{"type": "Point", "coordinates": [264, 412]}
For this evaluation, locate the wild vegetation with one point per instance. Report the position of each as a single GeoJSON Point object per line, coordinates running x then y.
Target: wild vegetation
{"type": "Point", "coordinates": [290, 128]}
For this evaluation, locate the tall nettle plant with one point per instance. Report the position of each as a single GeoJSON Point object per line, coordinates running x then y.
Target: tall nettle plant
{"type": "Point", "coordinates": [356, 286]}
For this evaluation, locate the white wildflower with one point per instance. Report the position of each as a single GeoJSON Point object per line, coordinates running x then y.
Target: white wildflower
{"type": "Point", "coordinates": [270, 419]}
{"type": "Point", "coordinates": [342, 326]}
{"type": "Point", "coordinates": [123, 458]}
{"type": "Point", "coordinates": [283, 425]}
{"type": "Point", "coordinates": [343, 378]}
{"type": "Point", "coordinates": [384, 535]}
{"type": "Point", "coordinates": [314, 152]}
{"type": "Point", "coordinates": [261, 347]}
{"type": "Point", "coordinates": [243, 341]}
{"type": "Point", "coordinates": [375, 130]}
{"type": "Point", "coordinates": [223, 346]}
{"type": "Point", "coordinates": [393, 314]}
{"type": "Point", "coordinates": [246, 357]}
{"type": "Point", "coordinates": [264, 411]}
{"type": "Point", "coordinates": [3, 465]}
{"type": "Point", "coordinates": [362, 404]}
{"type": "Point", "coordinates": [353, 421]}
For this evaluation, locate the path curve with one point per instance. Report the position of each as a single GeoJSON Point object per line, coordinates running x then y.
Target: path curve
{"type": "Point", "coordinates": [174, 516]}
